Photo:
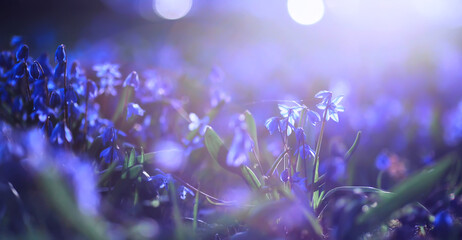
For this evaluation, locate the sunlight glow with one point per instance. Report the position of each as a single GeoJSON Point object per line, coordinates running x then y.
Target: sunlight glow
{"type": "Point", "coordinates": [172, 9]}
{"type": "Point", "coordinates": [306, 12]}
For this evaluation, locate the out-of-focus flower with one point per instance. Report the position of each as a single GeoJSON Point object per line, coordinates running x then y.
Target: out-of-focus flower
{"type": "Point", "coordinates": [134, 109]}
{"type": "Point", "coordinates": [382, 161]}
{"type": "Point", "coordinates": [305, 151]}
{"type": "Point", "coordinates": [312, 117]}
{"type": "Point", "coordinates": [71, 95]}
{"type": "Point", "coordinates": [397, 167]}
{"type": "Point", "coordinates": [61, 133]}
{"type": "Point", "coordinates": [241, 145]}
{"type": "Point", "coordinates": [91, 88]}
{"type": "Point", "coordinates": [284, 175]}
{"type": "Point", "coordinates": [272, 124]}
{"type": "Point", "coordinates": [109, 77]}
{"type": "Point", "coordinates": [183, 191]}
{"type": "Point", "coordinates": [332, 105]}
{"type": "Point", "coordinates": [132, 80]}
{"type": "Point", "coordinates": [16, 41]}
{"type": "Point", "coordinates": [55, 100]}
{"type": "Point", "coordinates": [443, 224]}
{"type": "Point", "coordinates": [112, 154]}
{"type": "Point", "coordinates": [23, 53]}
{"type": "Point", "coordinates": [107, 70]}
{"type": "Point", "coordinates": [197, 123]}
{"type": "Point", "coordinates": [217, 95]}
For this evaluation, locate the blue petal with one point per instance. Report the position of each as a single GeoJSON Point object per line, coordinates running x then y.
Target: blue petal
{"type": "Point", "coordinates": [313, 117]}
{"type": "Point", "coordinates": [272, 124]}
{"type": "Point", "coordinates": [132, 80]}
{"type": "Point", "coordinates": [284, 175]}
{"type": "Point", "coordinates": [323, 94]}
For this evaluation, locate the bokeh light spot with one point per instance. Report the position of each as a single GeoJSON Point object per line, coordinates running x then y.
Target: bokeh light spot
{"type": "Point", "coordinates": [172, 9]}
{"type": "Point", "coordinates": [306, 12]}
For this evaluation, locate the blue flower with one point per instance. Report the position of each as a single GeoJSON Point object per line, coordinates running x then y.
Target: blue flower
{"type": "Point", "coordinates": [272, 124]}
{"type": "Point", "coordinates": [107, 70]}
{"type": "Point", "coordinates": [290, 114]}
{"type": "Point", "coordinates": [109, 77]}
{"type": "Point", "coordinates": [182, 190]}
{"type": "Point", "coordinates": [61, 133]}
{"type": "Point", "coordinates": [284, 175]}
{"type": "Point", "coordinates": [55, 100]}
{"type": "Point", "coordinates": [109, 136]}
{"type": "Point", "coordinates": [132, 80]}
{"type": "Point", "coordinates": [443, 224]}
{"type": "Point", "coordinates": [305, 152]}
{"type": "Point", "coordinates": [134, 109]}
{"type": "Point", "coordinates": [382, 161]}
{"type": "Point", "coordinates": [159, 181]}
{"type": "Point", "coordinates": [313, 117]}
{"type": "Point", "coordinates": [197, 123]}
{"type": "Point", "coordinates": [6, 59]}
{"type": "Point", "coordinates": [300, 136]}
{"type": "Point", "coordinates": [111, 154]}
{"type": "Point", "coordinates": [20, 70]}
{"type": "Point", "coordinates": [71, 95]}
{"type": "Point", "coordinates": [16, 41]}
{"type": "Point", "coordinates": [59, 70]}
{"type": "Point", "coordinates": [60, 54]}
{"type": "Point", "coordinates": [23, 53]}
{"type": "Point", "coordinates": [36, 70]}
{"type": "Point", "coordinates": [240, 147]}
{"type": "Point", "coordinates": [332, 105]}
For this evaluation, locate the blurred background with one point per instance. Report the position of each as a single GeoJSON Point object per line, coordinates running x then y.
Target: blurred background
{"type": "Point", "coordinates": [397, 62]}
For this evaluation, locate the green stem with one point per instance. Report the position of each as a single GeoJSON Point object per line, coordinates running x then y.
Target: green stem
{"type": "Point", "coordinates": [379, 179]}
{"type": "Point", "coordinates": [318, 147]}
{"type": "Point", "coordinates": [316, 157]}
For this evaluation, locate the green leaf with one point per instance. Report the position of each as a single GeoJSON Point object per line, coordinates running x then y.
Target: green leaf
{"type": "Point", "coordinates": [218, 150]}
{"type": "Point", "coordinates": [362, 189]}
{"type": "Point", "coordinates": [134, 171]}
{"type": "Point", "coordinates": [131, 159]}
{"type": "Point", "coordinates": [353, 147]}
{"type": "Point", "coordinates": [127, 94]}
{"type": "Point", "coordinates": [250, 177]}
{"type": "Point", "coordinates": [145, 157]}
{"type": "Point", "coordinates": [411, 190]}
{"type": "Point", "coordinates": [195, 210]}
{"type": "Point", "coordinates": [141, 161]}
{"type": "Point", "coordinates": [179, 226]}
{"type": "Point", "coordinates": [107, 173]}
{"type": "Point", "coordinates": [276, 163]}
{"type": "Point", "coordinates": [125, 167]}
{"type": "Point", "coordinates": [252, 130]}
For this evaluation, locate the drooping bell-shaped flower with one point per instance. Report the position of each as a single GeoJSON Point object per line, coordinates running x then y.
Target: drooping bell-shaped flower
{"type": "Point", "coordinates": [23, 53]}
{"type": "Point", "coordinates": [132, 80]}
